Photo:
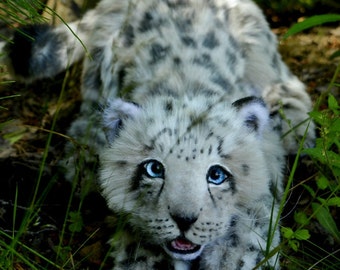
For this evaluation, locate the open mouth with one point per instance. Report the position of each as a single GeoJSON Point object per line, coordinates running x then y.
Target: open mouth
{"type": "Point", "coordinates": [182, 248]}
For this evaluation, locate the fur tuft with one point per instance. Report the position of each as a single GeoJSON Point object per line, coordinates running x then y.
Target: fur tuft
{"type": "Point", "coordinates": [34, 52]}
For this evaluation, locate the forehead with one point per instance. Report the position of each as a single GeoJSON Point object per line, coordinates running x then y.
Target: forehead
{"type": "Point", "coordinates": [188, 134]}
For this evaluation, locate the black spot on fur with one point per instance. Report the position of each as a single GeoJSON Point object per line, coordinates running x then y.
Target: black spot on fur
{"type": "Point", "coordinates": [223, 122]}
{"type": "Point", "coordinates": [219, 147]}
{"type": "Point", "coordinates": [158, 52]}
{"type": "Point", "coordinates": [146, 23]}
{"type": "Point", "coordinates": [233, 239]}
{"type": "Point", "coordinates": [259, 258]}
{"type": "Point", "coordinates": [245, 169]}
{"type": "Point", "coordinates": [240, 264]}
{"type": "Point", "coordinates": [204, 60]}
{"type": "Point", "coordinates": [252, 248]}
{"type": "Point", "coordinates": [176, 4]}
{"type": "Point", "coordinates": [165, 130]}
{"type": "Point", "coordinates": [234, 44]}
{"type": "Point", "coordinates": [184, 25]}
{"type": "Point", "coordinates": [162, 89]}
{"type": "Point", "coordinates": [121, 77]}
{"type": "Point", "coordinates": [252, 122]}
{"type": "Point", "coordinates": [92, 79]}
{"type": "Point", "coordinates": [169, 106]}
{"type": "Point", "coordinates": [209, 150]}
{"type": "Point", "coordinates": [122, 163]}
{"type": "Point", "coordinates": [226, 156]}
{"type": "Point", "coordinates": [209, 135]}
{"type": "Point", "coordinates": [222, 82]}
{"type": "Point", "coordinates": [161, 147]}
{"type": "Point", "coordinates": [210, 41]}
{"type": "Point", "coordinates": [177, 60]}
{"type": "Point", "coordinates": [232, 186]}
{"type": "Point", "coordinates": [233, 221]}
{"type": "Point", "coordinates": [129, 36]}
{"type": "Point", "coordinates": [188, 41]}
{"type": "Point", "coordinates": [232, 59]}
{"type": "Point", "coordinates": [208, 93]}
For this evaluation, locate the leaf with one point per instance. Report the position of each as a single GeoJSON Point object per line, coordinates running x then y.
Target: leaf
{"type": "Point", "coordinates": [318, 117]}
{"type": "Point", "coordinates": [325, 157]}
{"type": "Point", "coordinates": [333, 158]}
{"type": "Point", "coordinates": [287, 232]}
{"type": "Point", "coordinates": [15, 136]}
{"type": "Point", "coordinates": [76, 221]}
{"type": "Point", "coordinates": [335, 126]}
{"type": "Point", "coordinates": [322, 182]}
{"type": "Point", "coordinates": [335, 201]}
{"type": "Point", "coordinates": [316, 153]}
{"type": "Point", "coordinates": [294, 244]}
{"type": "Point", "coordinates": [332, 103]}
{"type": "Point", "coordinates": [311, 22]}
{"type": "Point", "coordinates": [326, 220]}
{"type": "Point", "coordinates": [301, 218]}
{"type": "Point", "coordinates": [334, 55]}
{"type": "Point", "coordinates": [310, 190]}
{"type": "Point", "coordinates": [302, 234]}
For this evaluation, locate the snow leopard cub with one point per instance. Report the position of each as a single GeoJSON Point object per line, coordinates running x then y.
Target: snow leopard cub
{"type": "Point", "coordinates": [192, 90]}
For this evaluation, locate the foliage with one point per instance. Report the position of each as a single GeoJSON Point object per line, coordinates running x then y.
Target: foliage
{"type": "Point", "coordinates": [14, 12]}
{"type": "Point", "coordinates": [327, 159]}
{"type": "Point", "coordinates": [326, 193]}
{"type": "Point", "coordinates": [324, 187]}
{"type": "Point", "coordinates": [20, 11]}
{"type": "Point", "coordinates": [295, 236]}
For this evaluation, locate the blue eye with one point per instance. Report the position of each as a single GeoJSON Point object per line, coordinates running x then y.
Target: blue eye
{"type": "Point", "coordinates": [154, 169]}
{"type": "Point", "coordinates": [217, 175]}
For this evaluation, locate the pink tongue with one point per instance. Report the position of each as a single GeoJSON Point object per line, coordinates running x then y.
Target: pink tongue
{"type": "Point", "coordinates": [182, 244]}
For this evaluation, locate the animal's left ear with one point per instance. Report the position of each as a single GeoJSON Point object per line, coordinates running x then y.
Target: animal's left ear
{"type": "Point", "coordinates": [114, 115]}
{"type": "Point", "coordinates": [254, 113]}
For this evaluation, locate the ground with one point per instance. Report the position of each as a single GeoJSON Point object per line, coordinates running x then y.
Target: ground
{"type": "Point", "coordinates": [33, 123]}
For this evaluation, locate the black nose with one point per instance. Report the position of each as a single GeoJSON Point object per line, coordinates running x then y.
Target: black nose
{"type": "Point", "coordinates": [184, 222]}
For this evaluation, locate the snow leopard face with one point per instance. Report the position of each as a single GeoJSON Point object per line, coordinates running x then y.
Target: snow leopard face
{"type": "Point", "coordinates": [181, 172]}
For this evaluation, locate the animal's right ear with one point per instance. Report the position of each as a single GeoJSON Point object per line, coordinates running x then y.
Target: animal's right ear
{"type": "Point", "coordinates": [253, 112]}
{"type": "Point", "coordinates": [114, 115]}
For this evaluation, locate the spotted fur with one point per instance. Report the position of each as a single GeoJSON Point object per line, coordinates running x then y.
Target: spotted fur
{"type": "Point", "coordinates": [192, 90]}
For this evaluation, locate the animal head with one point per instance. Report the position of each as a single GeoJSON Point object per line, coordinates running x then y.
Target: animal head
{"type": "Point", "coordinates": [179, 170]}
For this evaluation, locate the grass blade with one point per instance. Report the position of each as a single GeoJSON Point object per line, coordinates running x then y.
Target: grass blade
{"type": "Point", "coordinates": [311, 22]}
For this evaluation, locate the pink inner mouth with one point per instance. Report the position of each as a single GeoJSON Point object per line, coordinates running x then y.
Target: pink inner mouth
{"type": "Point", "coordinates": [182, 245]}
